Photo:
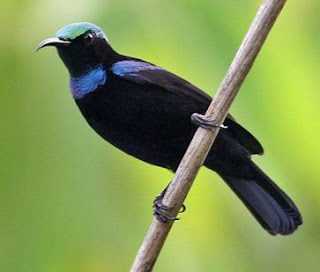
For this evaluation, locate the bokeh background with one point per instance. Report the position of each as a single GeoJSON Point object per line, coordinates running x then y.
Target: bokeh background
{"type": "Point", "coordinates": [70, 202]}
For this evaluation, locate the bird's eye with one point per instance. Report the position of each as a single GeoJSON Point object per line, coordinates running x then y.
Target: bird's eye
{"type": "Point", "coordinates": [88, 39]}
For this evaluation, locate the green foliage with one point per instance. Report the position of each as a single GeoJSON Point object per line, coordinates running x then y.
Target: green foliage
{"type": "Point", "coordinates": [71, 202]}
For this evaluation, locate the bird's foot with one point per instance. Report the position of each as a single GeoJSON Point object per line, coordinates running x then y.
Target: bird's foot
{"type": "Point", "coordinates": [205, 122]}
{"type": "Point", "coordinates": [160, 210]}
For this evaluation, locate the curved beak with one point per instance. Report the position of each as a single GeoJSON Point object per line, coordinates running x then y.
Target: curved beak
{"type": "Point", "coordinates": [52, 42]}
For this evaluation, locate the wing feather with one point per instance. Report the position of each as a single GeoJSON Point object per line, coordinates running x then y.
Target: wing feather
{"type": "Point", "coordinates": [146, 73]}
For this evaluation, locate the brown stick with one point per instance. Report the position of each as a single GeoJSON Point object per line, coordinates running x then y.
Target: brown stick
{"type": "Point", "coordinates": [203, 139]}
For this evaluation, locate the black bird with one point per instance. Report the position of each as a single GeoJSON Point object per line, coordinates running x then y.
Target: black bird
{"type": "Point", "coordinates": [146, 112]}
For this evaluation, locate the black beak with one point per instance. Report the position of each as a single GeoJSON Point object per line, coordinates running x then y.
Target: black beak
{"type": "Point", "coordinates": [52, 42]}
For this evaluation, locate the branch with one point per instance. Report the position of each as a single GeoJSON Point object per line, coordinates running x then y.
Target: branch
{"type": "Point", "coordinates": [203, 138]}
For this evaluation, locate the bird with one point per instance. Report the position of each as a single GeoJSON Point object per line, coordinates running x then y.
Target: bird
{"type": "Point", "coordinates": [152, 114]}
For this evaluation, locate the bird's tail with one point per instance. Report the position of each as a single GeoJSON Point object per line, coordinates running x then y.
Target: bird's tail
{"type": "Point", "coordinates": [274, 210]}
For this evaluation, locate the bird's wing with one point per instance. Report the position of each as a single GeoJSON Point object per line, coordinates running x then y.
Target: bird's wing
{"type": "Point", "coordinates": [245, 138]}
{"type": "Point", "coordinates": [146, 73]}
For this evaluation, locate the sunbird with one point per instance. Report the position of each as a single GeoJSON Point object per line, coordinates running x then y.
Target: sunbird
{"type": "Point", "coordinates": [146, 111]}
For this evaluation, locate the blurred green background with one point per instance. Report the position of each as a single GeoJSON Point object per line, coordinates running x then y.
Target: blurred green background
{"type": "Point", "coordinates": [70, 202]}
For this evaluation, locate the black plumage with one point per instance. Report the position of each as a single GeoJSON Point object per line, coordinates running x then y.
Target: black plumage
{"type": "Point", "coordinates": [145, 111]}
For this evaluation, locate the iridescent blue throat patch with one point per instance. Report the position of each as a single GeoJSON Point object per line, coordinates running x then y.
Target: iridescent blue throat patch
{"type": "Point", "coordinates": [87, 83]}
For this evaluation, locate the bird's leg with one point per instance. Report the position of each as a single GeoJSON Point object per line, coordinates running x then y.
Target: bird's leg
{"type": "Point", "coordinates": [205, 122]}
{"type": "Point", "coordinates": [160, 210]}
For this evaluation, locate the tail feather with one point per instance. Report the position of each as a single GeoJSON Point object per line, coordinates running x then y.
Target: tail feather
{"type": "Point", "coordinates": [273, 209]}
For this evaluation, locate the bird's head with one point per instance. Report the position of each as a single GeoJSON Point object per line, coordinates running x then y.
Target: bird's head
{"type": "Point", "coordinates": [81, 46]}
